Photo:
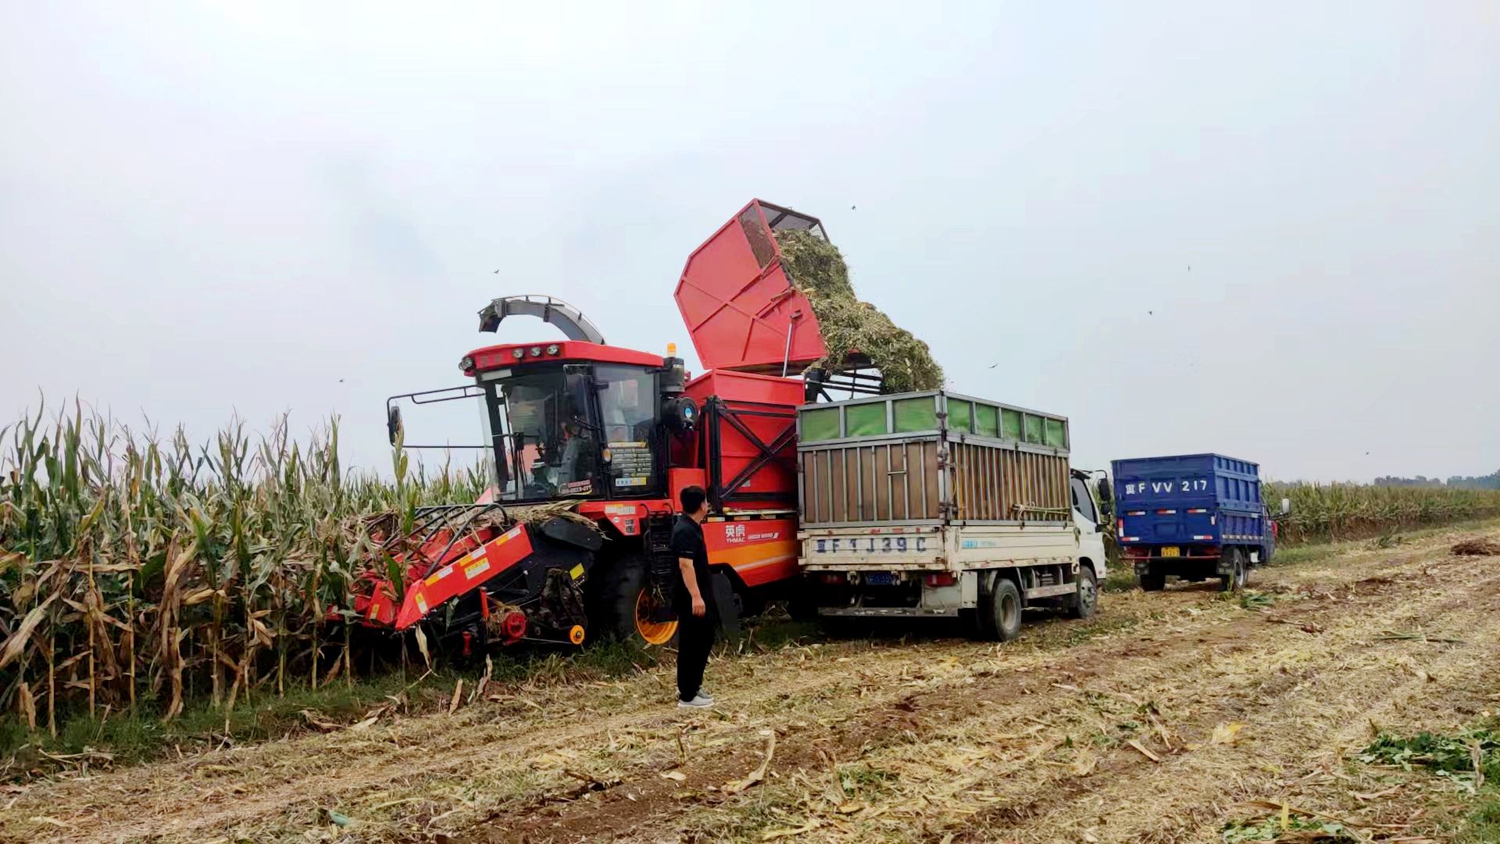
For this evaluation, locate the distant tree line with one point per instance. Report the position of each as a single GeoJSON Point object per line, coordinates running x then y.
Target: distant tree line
{"type": "Point", "coordinates": [1490, 481]}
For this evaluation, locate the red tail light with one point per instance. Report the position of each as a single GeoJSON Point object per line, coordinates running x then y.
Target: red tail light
{"type": "Point", "coordinates": [943, 579]}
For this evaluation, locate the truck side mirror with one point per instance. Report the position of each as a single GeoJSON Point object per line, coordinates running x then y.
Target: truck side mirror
{"type": "Point", "coordinates": [1286, 506]}
{"type": "Point", "coordinates": [393, 423]}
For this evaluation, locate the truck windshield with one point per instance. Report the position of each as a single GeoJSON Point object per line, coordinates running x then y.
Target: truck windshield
{"type": "Point", "coordinates": [544, 443]}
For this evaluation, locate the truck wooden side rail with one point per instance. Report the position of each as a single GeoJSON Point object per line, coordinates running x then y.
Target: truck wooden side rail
{"type": "Point", "coordinates": [938, 504]}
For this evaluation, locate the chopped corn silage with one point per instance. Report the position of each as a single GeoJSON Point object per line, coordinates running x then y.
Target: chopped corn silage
{"type": "Point", "coordinates": [850, 326]}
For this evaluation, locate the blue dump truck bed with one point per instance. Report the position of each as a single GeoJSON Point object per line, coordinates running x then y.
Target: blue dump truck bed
{"type": "Point", "coordinates": [1193, 516]}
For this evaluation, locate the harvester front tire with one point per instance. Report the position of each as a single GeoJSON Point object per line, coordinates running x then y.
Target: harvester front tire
{"type": "Point", "coordinates": [626, 597]}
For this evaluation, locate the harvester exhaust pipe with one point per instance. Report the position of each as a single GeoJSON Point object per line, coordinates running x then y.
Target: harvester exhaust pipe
{"type": "Point", "coordinates": [571, 321]}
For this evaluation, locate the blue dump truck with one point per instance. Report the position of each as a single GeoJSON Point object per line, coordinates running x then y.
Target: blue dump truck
{"type": "Point", "coordinates": [1193, 517]}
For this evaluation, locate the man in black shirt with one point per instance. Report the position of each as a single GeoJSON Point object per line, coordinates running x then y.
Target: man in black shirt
{"type": "Point", "coordinates": [696, 624]}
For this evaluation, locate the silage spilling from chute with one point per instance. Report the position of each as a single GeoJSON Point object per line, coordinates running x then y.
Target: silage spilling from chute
{"type": "Point", "coordinates": [849, 325]}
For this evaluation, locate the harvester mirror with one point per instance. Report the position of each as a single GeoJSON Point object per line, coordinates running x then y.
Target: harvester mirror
{"type": "Point", "coordinates": [393, 423]}
{"type": "Point", "coordinates": [1286, 506]}
{"type": "Point", "coordinates": [680, 414]}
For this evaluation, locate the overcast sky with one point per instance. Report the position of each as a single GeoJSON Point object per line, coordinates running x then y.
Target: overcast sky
{"type": "Point", "coordinates": [1272, 232]}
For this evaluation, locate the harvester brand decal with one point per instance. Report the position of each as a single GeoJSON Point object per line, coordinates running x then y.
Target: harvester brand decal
{"type": "Point", "coordinates": [759, 550]}
{"type": "Point", "coordinates": [736, 534]}
{"type": "Point", "coordinates": [872, 545]}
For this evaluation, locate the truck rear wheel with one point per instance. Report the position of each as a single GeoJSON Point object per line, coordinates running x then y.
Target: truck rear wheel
{"type": "Point", "coordinates": [1087, 598]}
{"type": "Point", "coordinates": [1235, 581]}
{"type": "Point", "coordinates": [1000, 611]}
{"type": "Point", "coordinates": [633, 608]}
{"type": "Point", "coordinates": [1153, 582]}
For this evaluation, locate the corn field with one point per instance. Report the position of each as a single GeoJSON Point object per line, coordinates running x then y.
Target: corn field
{"type": "Point", "coordinates": [140, 570]}
{"type": "Point", "coordinates": [1347, 511]}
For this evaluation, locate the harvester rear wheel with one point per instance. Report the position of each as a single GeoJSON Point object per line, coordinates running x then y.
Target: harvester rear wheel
{"type": "Point", "coordinates": [630, 604]}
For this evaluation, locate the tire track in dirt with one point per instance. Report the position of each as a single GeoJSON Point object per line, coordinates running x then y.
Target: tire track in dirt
{"type": "Point", "coordinates": [1304, 722]}
{"type": "Point", "coordinates": [1250, 637]}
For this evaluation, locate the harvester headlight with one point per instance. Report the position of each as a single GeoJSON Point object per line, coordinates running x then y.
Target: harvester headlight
{"type": "Point", "coordinates": [518, 353]}
{"type": "Point", "coordinates": [536, 351]}
{"type": "Point", "coordinates": [553, 349]}
{"type": "Point", "coordinates": [466, 364]}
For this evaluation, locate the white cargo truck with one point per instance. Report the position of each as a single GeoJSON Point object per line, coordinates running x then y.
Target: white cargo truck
{"type": "Point", "coordinates": [934, 504]}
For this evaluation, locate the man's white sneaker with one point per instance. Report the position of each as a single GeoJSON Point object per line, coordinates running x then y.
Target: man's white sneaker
{"type": "Point", "coordinates": [706, 696]}
{"type": "Point", "coordinates": [698, 702]}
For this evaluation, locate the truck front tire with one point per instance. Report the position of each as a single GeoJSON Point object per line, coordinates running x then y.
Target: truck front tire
{"type": "Point", "coordinates": [1086, 600]}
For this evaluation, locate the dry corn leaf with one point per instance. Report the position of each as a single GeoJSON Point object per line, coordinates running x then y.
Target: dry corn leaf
{"type": "Point", "coordinates": [1143, 751]}
{"type": "Point", "coordinates": [1228, 732]}
{"type": "Point", "coordinates": [674, 776]}
{"type": "Point", "coordinates": [772, 835]}
{"type": "Point", "coordinates": [458, 692]}
{"type": "Point", "coordinates": [759, 773]}
{"type": "Point", "coordinates": [365, 724]}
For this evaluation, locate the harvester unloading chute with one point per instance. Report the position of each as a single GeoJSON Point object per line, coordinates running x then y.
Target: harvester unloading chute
{"type": "Point", "coordinates": [769, 294]}
{"type": "Point", "coordinates": [740, 307]}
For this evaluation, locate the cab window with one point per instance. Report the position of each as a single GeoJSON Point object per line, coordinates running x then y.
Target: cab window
{"type": "Point", "coordinates": [1082, 501]}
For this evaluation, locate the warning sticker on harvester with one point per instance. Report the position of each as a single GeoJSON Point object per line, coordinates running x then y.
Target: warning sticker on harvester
{"type": "Point", "coordinates": [577, 571]}
{"type": "Point", "coordinates": [477, 569]}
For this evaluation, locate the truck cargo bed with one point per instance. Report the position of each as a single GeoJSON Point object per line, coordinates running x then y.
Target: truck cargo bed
{"type": "Point", "coordinates": [930, 458]}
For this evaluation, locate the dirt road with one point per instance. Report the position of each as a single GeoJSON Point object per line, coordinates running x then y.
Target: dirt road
{"type": "Point", "coordinates": [1156, 721]}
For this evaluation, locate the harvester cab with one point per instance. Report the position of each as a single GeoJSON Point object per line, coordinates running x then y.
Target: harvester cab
{"type": "Point", "coordinates": [586, 447]}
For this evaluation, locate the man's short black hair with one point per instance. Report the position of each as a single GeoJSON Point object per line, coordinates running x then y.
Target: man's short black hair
{"type": "Point", "coordinates": [692, 497]}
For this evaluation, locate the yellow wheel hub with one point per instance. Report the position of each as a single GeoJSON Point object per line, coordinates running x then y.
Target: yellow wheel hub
{"type": "Point", "coordinates": [654, 632]}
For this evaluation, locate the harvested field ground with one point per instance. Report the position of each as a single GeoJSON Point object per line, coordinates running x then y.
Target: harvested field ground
{"type": "Point", "coordinates": [1157, 721]}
